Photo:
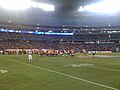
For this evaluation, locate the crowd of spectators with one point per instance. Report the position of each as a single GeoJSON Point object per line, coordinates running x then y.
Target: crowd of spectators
{"type": "Point", "coordinates": [31, 41]}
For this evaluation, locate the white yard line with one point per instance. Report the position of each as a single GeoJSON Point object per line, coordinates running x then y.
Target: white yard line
{"type": "Point", "coordinates": [116, 70]}
{"type": "Point", "coordinates": [101, 62]}
{"type": "Point", "coordinates": [63, 74]}
{"type": "Point", "coordinates": [3, 71]}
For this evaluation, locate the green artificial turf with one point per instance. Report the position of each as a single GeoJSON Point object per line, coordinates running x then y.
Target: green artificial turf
{"type": "Point", "coordinates": [22, 76]}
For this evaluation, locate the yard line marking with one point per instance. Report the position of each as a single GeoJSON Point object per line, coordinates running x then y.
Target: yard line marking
{"type": "Point", "coordinates": [101, 62]}
{"type": "Point", "coordinates": [63, 74]}
{"type": "Point", "coordinates": [3, 71]}
{"type": "Point", "coordinates": [106, 69]}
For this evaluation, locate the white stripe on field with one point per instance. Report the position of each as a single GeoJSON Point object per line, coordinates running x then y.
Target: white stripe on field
{"type": "Point", "coordinates": [106, 69]}
{"type": "Point", "coordinates": [63, 74]}
{"type": "Point", "coordinates": [3, 71]}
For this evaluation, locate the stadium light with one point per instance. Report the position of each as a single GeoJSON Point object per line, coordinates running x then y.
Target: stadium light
{"type": "Point", "coordinates": [81, 8]}
{"type": "Point", "coordinates": [15, 4]}
{"type": "Point", "coordinates": [46, 7]}
{"type": "Point", "coordinates": [9, 21]}
{"type": "Point", "coordinates": [105, 6]}
{"type": "Point", "coordinates": [25, 4]}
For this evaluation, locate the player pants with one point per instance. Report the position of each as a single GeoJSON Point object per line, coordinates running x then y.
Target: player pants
{"type": "Point", "coordinates": [30, 57]}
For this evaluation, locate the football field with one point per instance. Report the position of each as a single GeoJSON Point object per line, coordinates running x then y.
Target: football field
{"type": "Point", "coordinates": [60, 72]}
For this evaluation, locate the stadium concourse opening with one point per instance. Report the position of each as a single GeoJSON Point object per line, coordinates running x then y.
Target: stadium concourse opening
{"type": "Point", "coordinates": [59, 45]}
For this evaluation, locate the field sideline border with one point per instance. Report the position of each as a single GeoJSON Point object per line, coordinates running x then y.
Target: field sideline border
{"type": "Point", "coordinates": [66, 75]}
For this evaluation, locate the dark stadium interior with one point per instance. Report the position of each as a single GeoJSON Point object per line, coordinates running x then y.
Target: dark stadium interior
{"type": "Point", "coordinates": [66, 12]}
{"type": "Point", "coordinates": [85, 26]}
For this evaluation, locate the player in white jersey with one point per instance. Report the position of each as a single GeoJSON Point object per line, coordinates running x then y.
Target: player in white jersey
{"type": "Point", "coordinates": [30, 56]}
{"type": "Point", "coordinates": [84, 51]}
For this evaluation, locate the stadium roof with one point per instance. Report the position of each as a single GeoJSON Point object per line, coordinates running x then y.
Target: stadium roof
{"type": "Point", "coordinates": [67, 5]}
{"type": "Point", "coordinates": [63, 9]}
